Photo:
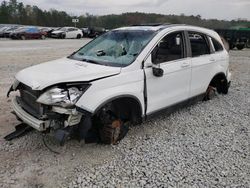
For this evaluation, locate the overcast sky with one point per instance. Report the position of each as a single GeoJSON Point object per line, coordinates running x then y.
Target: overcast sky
{"type": "Point", "coordinates": [220, 9]}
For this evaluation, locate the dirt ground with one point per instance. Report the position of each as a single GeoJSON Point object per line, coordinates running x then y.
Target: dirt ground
{"type": "Point", "coordinates": [26, 162]}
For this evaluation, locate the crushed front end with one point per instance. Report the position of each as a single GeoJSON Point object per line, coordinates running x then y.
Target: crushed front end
{"type": "Point", "coordinates": [49, 110]}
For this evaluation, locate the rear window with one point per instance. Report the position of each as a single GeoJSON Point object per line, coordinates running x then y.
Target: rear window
{"type": "Point", "coordinates": [199, 45]}
{"type": "Point", "coordinates": [217, 46]}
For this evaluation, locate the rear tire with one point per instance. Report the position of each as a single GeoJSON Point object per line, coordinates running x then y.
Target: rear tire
{"type": "Point", "coordinates": [63, 36]}
{"type": "Point", "coordinates": [43, 37]}
{"type": "Point", "coordinates": [231, 46]}
{"type": "Point", "coordinates": [210, 93]}
{"type": "Point", "coordinates": [240, 46]}
{"type": "Point", "coordinates": [248, 44]}
{"type": "Point", "coordinates": [78, 36]}
{"type": "Point", "coordinates": [219, 84]}
{"type": "Point", "coordinates": [23, 37]}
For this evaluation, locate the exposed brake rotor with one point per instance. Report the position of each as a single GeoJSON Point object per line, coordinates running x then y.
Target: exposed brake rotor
{"type": "Point", "coordinates": [112, 133]}
{"type": "Point", "coordinates": [210, 93]}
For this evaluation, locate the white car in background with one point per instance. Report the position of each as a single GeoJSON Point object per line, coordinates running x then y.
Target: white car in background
{"type": "Point", "coordinates": [121, 78]}
{"type": "Point", "coordinates": [67, 33]}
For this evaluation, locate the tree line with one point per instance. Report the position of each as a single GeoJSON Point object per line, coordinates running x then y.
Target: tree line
{"type": "Point", "coordinates": [13, 12]}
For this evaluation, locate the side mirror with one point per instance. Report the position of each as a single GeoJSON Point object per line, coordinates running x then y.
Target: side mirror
{"type": "Point", "coordinates": [157, 71]}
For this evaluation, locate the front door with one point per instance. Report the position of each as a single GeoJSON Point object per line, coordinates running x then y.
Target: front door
{"type": "Point", "coordinates": [173, 86]}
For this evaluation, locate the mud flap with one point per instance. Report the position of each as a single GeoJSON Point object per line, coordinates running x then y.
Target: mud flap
{"type": "Point", "coordinates": [21, 130]}
{"type": "Point", "coordinates": [84, 126]}
{"type": "Point", "coordinates": [9, 91]}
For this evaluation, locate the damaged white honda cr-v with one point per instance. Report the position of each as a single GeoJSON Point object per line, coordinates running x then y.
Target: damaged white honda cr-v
{"type": "Point", "coordinates": [120, 79]}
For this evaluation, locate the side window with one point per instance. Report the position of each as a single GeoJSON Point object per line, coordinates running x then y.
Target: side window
{"type": "Point", "coordinates": [217, 46]}
{"type": "Point", "coordinates": [169, 48]}
{"type": "Point", "coordinates": [199, 45]}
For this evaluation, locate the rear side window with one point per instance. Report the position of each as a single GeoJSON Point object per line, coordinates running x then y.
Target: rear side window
{"type": "Point", "coordinates": [199, 45]}
{"type": "Point", "coordinates": [217, 46]}
{"type": "Point", "coordinates": [72, 29]}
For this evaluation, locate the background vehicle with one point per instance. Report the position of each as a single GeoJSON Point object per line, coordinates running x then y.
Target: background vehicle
{"type": "Point", "coordinates": [121, 78]}
{"type": "Point", "coordinates": [238, 38]}
{"type": "Point", "coordinates": [8, 31]}
{"type": "Point", "coordinates": [67, 32]}
{"type": "Point", "coordinates": [2, 30]}
{"type": "Point", "coordinates": [85, 31]}
{"type": "Point", "coordinates": [49, 33]}
{"type": "Point", "coordinates": [27, 33]}
{"type": "Point", "coordinates": [94, 32]}
{"type": "Point", "coordinates": [45, 30]}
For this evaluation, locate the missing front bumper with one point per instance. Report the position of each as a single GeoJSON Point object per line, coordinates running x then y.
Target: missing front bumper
{"type": "Point", "coordinates": [37, 124]}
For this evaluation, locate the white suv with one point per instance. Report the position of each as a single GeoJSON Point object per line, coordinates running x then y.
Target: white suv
{"type": "Point", "coordinates": [121, 78]}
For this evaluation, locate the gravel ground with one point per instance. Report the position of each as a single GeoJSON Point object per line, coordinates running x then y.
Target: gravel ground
{"type": "Point", "coordinates": [204, 145]}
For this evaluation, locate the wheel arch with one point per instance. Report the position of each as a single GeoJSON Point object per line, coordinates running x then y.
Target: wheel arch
{"type": "Point", "coordinates": [219, 81]}
{"type": "Point", "coordinates": [128, 99]}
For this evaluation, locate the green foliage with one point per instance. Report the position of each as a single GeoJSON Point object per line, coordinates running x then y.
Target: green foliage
{"type": "Point", "coordinates": [13, 12]}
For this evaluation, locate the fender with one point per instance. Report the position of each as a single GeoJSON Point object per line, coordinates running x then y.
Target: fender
{"type": "Point", "coordinates": [118, 97]}
{"type": "Point", "coordinates": [129, 84]}
{"type": "Point", "coordinates": [217, 70]}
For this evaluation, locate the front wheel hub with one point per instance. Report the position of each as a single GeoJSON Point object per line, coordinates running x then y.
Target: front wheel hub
{"type": "Point", "coordinates": [114, 132]}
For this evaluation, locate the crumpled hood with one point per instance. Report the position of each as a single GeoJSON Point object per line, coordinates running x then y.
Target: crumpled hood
{"type": "Point", "coordinates": [63, 70]}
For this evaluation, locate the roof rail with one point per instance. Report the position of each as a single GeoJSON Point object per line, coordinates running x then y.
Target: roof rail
{"type": "Point", "coordinates": [151, 24]}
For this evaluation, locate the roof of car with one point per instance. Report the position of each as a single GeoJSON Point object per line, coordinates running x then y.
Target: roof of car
{"type": "Point", "coordinates": [153, 26]}
{"type": "Point", "coordinates": [68, 27]}
{"type": "Point", "coordinates": [158, 27]}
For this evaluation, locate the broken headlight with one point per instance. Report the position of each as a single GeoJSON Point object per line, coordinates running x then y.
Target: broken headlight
{"type": "Point", "coordinates": [65, 97]}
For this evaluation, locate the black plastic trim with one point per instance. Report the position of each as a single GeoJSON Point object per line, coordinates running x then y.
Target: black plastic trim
{"type": "Point", "coordinates": [145, 94]}
{"type": "Point", "coordinates": [188, 45]}
{"type": "Point", "coordinates": [9, 91]}
{"type": "Point", "coordinates": [84, 112]}
{"type": "Point", "coordinates": [170, 109]}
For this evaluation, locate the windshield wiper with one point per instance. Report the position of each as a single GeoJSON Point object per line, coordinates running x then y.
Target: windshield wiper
{"type": "Point", "coordinates": [91, 61]}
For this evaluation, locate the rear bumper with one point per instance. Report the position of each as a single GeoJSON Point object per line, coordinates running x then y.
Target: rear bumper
{"type": "Point", "coordinates": [37, 124]}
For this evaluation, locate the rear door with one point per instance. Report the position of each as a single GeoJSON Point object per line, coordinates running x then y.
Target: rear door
{"type": "Point", "coordinates": [202, 62]}
{"type": "Point", "coordinates": [219, 54]}
{"type": "Point", "coordinates": [33, 33]}
{"type": "Point", "coordinates": [173, 86]}
{"type": "Point", "coordinates": [71, 33]}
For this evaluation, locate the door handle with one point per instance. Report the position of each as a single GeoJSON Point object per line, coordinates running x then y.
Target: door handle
{"type": "Point", "coordinates": [183, 65]}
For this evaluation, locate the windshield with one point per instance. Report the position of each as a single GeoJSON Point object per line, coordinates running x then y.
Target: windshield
{"type": "Point", "coordinates": [116, 48]}
{"type": "Point", "coordinates": [21, 29]}
{"type": "Point", "coordinates": [4, 28]}
{"type": "Point", "coordinates": [62, 29]}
